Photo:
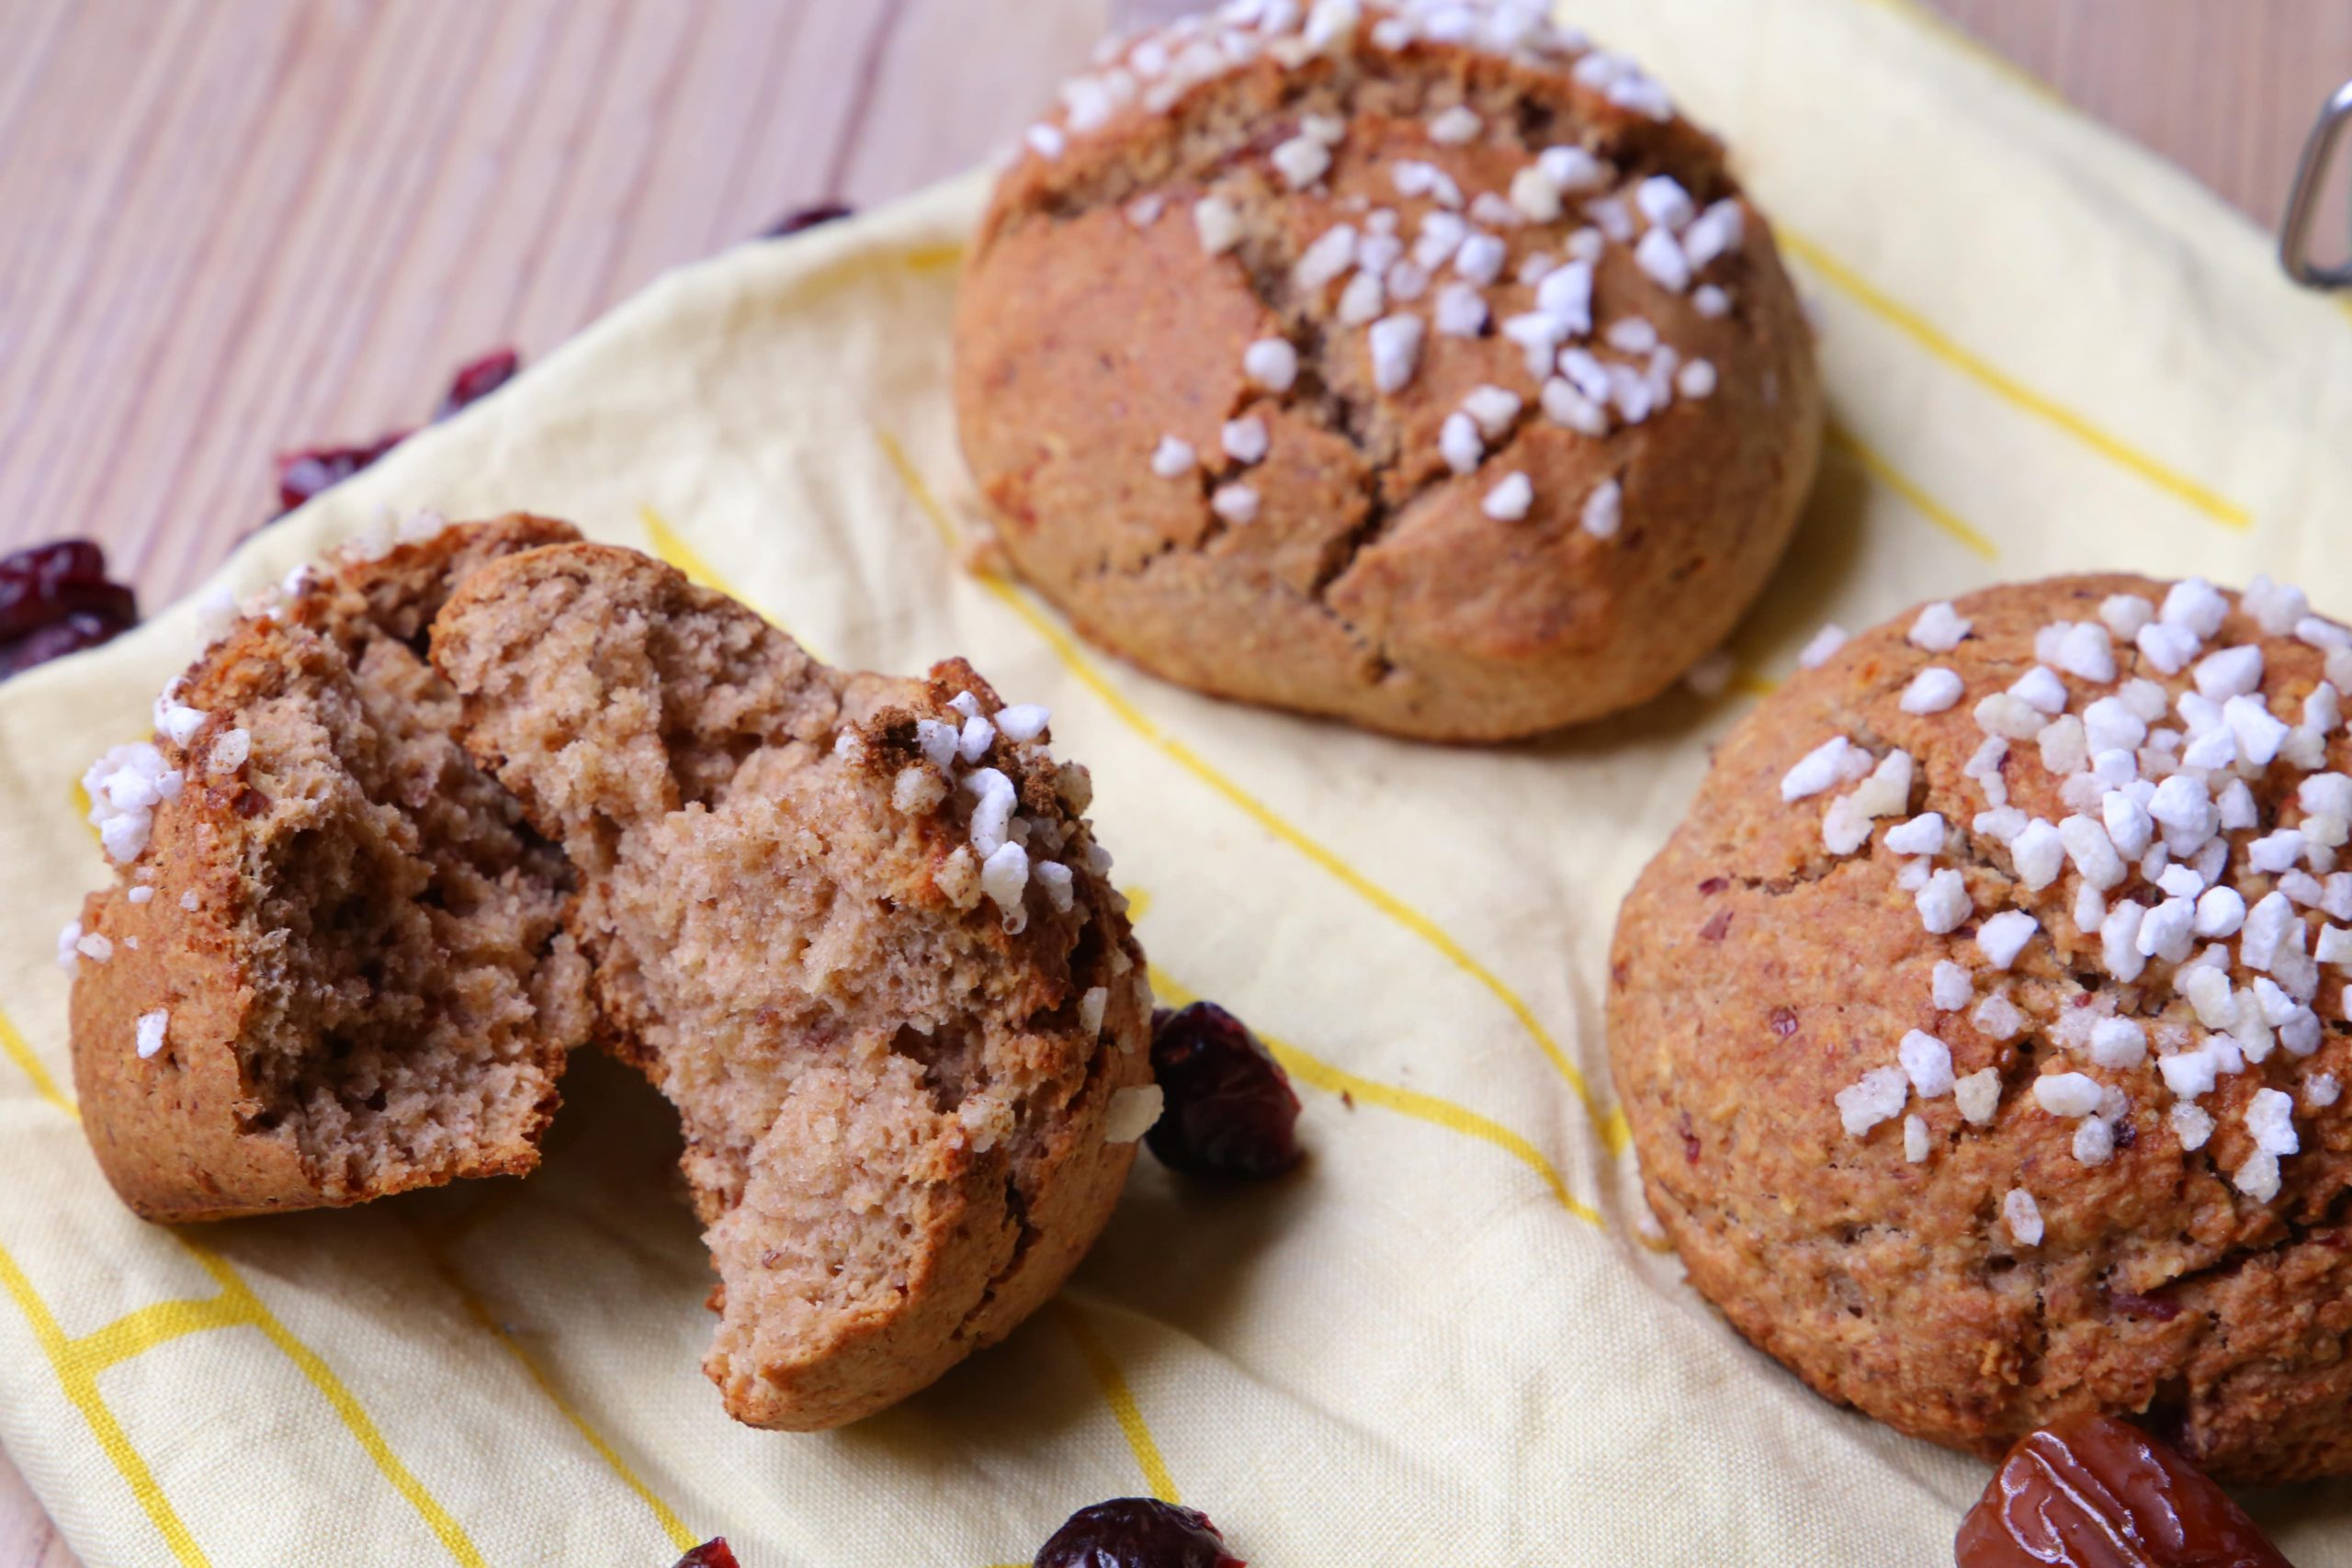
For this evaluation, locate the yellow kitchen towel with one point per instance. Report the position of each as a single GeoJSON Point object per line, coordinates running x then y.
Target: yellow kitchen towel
{"type": "Point", "coordinates": [1446, 1340]}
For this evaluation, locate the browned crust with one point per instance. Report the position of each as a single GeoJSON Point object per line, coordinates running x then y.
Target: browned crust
{"type": "Point", "coordinates": [1371, 587]}
{"type": "Point", "coordinates": [1753, 976]}
{"type": "Point", "coordinates": [997, 1230]}
{"type": "Point", "coordinates": [177, 1135]}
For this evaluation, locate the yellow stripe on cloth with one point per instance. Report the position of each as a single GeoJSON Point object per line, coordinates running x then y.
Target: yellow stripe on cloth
{"type": "Point", "coordinates": [81, 1386]}
{"type": "Point", "coordinates": [1122, 1401]}
{"type": "Point", "coordinates": [344, 1403]}
{"type": "Point", "coordinates": [1609, 1124]}
{"type": "Point", "coordinates": [1845, 441]}
{"type": "Point", "coordinates": [1317, 1072]}
{"type": "Point", "coordinates": [663, 1515]}
{"type": "Point", "coordinates": [13, 1046]}
{"type": "Point", "coordinates": [1916, 327]}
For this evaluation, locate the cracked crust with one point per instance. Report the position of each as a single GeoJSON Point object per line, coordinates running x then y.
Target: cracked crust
{"type": "Point", "coordinates": [1753, 976]}
{"type": "Point", "coordinates": [1371, 586]}
{"type": "Point", "coordinates": [356, 941]}
{"type": "Point", "coordinates": [894, 1106]}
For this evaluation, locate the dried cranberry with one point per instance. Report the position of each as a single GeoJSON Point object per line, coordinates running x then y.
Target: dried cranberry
{"type": "Point", "coordinates": [476, 379]}
{"type": "Point", "coordinates": [76, 632]}
{"type": "Point", "coordinates": [714, 1554]}
{"type": "Point", "coordinates": [2157, 1309]}
{"type": "Point", "coordinates": [304, 473]}
{"type": "Point", "coordinates": [2092, 1492]}
{"type": "Point", "coordinates": [1717, 925]}
{"type": "Point", "coordinates": [301, 475]}
{"type": "Point", "coordinates": [1230, 1110]}
{"type": "Point", "coordinates": [802, 218]}
{"type": "Point", "coordinates": [1137, 1532]}
{"type": "Point", "coordinates": [55, 599]}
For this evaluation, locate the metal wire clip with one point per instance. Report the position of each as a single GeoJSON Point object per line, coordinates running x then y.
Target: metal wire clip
{"type": "Point", "coordinates": [2311, 185]}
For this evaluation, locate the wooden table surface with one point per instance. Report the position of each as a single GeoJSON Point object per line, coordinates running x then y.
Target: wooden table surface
{"type": "Point", "coordinates": [233, 226]}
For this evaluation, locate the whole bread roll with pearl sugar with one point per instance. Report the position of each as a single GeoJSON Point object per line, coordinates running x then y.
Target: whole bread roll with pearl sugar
{"type": "Point", "coordinates": [1982, 1029]}
{"type": "Point", "coordinates": [1416, 365]}
{"type": "Point", "coordinates": [857, 929]}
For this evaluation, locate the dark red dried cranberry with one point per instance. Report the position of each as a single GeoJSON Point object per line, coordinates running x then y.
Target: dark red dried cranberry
{"type": "Point", "coordinates": [46, 583]}
{"type": "Point", "coordinates": [301, 475]}
{"type": "Point", "coordinates": [802, 218]}
{"type": "Point", "coordinates": [1717, 924]}
{"type": "Point", "coordinates": [77, 631]}
{"type": "Point", "coordinates": [2155, 1309]}
{"type": "Point", "coordinates": [714, 1554]}
{"type": "Point", "coordinates": [1230, 1110]}
{"type": "Point", "coordinates": [1137, 1532]}
{"type": "Point", "coordinates": [476, 379]}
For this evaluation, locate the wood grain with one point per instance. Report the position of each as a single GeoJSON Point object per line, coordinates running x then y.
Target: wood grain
{"type": "Point", "coordinates": [233, 226]}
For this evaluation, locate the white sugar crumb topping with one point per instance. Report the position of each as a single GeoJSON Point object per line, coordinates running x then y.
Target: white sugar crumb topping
{"type": "Point", "coordinates": [2258, 1176]}
{"type": "Point", "coordinates": [2067, 1094]}
{"type": "Point", "coordinates": [1004, 876]}
{"type": "Point", "coordinates": [1659, 256]}
{"type": "Point", "coordinates": [1604, 510]}
{"type": "Point", "coordinates": [1943, 903]}
{"type": "Point", "coordinates": [69, 946]}
{"type": "Point", "coordinates": [1271, 363]}
{"type": "Point", "coordinates": [992, 811]}
{"type": "Point", "coordinates": [917, 790]}
{"type": "Point", "coordinates": [2093, 1143]}
{"type": "Point", "coordinates": [1927, 1061]}
{"type": "Point", "coordinates": [189, 900]}
{"type": "Point", "coordinates": [1877, 1098]}
{"type": "Point", "coordinates": [1059, 883]}
{"type": "Point", "coordinates": [1235, 503]}
{"type": "Point", "coordinates": [2320, 1090]}
{"type": "Point", "coordinates": [1459, 442]}
{"type": "Point", "coordinates": [1174, 457]}
{"type": "Point", "coordinates": [2001, 937]}
{"type": "Point", "coordinates": [1244, 440]}
{"type": "Point", "coordinates": [2270, 1117]}
{"type": "Point", "coordinates": [1045, 140]}
{"type": "Point", "coordinates": [1453, 127]}
{"type": "Point", "coordinates": [1824, 644]}
{"type": "Point", "coordinates": [1949, 986]}
{"type": "Point", "coordinates": [2023, 1217]}
{"type": "Point", "coordinates": [1509, 499]}
{"type": "Point", "coordinates": [1922, 835]}
{"type": "Point", "coordinates": [1091, 1008]}
{"type": "Point", "coordinates": [1146, 210]}
{"type": "Point", "coordinates": [975, 740]}
{"type": "Point", "coordinates": [140, 894]}
{"type": "Point", "coordinates": [1023, 722]}
{"type": "Point", "coordinates": [125, 785]}
{"type": "Point", "coordinates": [1978, 1096]}
{"type": "Point", "coordinates": [1932, 691]}
{"type": "Point", "coordinates": [1915, 1138]}
{"type": "Point", "coordinates": [1394, 343]}
{"type": "Point", "coordinates": [1131, 1113]}
{"type": "Point", "coordinates": [177, 721]}
{"type": "Point", "coordinates": [1834, 760]}
{"type": "Point", "coordinates": [1301, 161]}
{"type": "Point", "coordinates": [149, 1032]}
{"type": "Point", "coordinates": [1939, 628]}
{"type": "Point", "coordinates": [2192, 1125]}
{"type": "Point", "coordinates": [1218, 223]}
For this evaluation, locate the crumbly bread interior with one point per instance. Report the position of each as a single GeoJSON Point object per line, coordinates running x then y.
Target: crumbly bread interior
{"type": "Point", "coordinates": [888, 1096]}
{"type": "Point", "coordinates": [412, 991]}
